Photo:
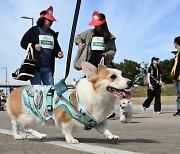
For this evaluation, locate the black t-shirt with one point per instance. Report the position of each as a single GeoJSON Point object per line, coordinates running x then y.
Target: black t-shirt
{"type": "Point", "coordinates": [155, 75]}
{"type": "Point", "coordinates": [96, 55]}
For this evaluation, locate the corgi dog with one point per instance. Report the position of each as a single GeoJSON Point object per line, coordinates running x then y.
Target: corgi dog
{"type": "Point", "coordinates": [97, 93]}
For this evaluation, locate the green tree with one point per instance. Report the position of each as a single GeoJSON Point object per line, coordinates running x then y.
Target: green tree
{"type": "Point", "coordinates": [143, 74]}
{"type": "Point", "coordinates": [136, 71]}
{"type": "Point", "coordinates": [166, 67]}
{"type": "Point", "coordinates": [130, 69]}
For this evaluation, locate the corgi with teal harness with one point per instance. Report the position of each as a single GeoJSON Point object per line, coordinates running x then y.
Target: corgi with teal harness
{"type": "Point", "coordinates": [86, 106]}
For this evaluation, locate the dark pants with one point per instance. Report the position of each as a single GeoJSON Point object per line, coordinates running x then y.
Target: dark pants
{"type": "Point", "coordinates": [156, 93]}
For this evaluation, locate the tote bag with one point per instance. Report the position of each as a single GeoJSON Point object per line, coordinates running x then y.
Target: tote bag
{"type": "Point", "coordinates": [80, 57]}
{"type": "Point", "coordinates": [28, 66]}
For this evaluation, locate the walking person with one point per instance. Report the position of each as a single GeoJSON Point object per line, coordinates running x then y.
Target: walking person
{"type": "Point", "coordinates": [100, 42]}
{"type": "Point", "coordinates": [175, 73]}
{"type": "Point", "coordinates": [154, 86]}
{"type": "Point", "coordinates": [46, 47]}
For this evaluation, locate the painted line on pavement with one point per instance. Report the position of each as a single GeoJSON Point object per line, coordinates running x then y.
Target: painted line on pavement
{"type": "Point", "coordinates": [80, 147]}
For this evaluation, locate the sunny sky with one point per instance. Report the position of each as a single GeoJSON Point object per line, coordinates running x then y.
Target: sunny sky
{"type": "Point", "coordinates": [143, 29]}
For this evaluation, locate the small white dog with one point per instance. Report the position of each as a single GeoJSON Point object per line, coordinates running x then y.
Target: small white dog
{"type": "Point", "coordinates": [126, 111]}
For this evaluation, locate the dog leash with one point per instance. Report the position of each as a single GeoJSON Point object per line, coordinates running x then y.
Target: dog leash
{"type": "Point", "coordinates": [158, 82]}
{"type": "Point", "coordinates": [76, 14]}
{"type": "Point", "coordinates": [102, 61]}
{"type": "Point", "coordinates": [61, 86]}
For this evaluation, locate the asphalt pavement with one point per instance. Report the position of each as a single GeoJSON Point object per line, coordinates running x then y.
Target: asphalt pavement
{"type": "Point", "coordinates": [148, 133]}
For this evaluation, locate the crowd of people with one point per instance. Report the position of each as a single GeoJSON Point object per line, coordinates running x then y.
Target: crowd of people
{"type": "Point", "coordinates": [2, 100]}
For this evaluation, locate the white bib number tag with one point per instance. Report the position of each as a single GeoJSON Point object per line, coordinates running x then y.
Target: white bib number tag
{"type": "Point", "coordinates": [46, 42]}
{"type": "Point", "coordinates": [98, 43]}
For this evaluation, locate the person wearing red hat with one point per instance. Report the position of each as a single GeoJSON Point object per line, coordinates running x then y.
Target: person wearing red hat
{"type": "Point", "coordinates": [46, 47]}
{"type": "Point", "coordinates": [99, 41]}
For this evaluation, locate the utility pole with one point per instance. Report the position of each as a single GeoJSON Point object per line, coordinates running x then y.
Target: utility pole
{"type": "Point", "coordinates": [6, 78]}
{"type": "Point", "coordinates": [30, 18]}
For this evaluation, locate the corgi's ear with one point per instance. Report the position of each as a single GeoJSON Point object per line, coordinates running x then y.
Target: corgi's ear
{"type": "Point", "coordinates": [100, 67]}
{"type": "Point", "coordinates": [89, 70]}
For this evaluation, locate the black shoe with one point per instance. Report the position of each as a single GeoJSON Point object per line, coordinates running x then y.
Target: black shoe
{"type": "Point", "coordinates": [177, 113]}
{"type": "Point", "coordinates": [111, 115]}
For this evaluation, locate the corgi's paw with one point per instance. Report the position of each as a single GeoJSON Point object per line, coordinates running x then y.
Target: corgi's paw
{"type": "Point", "coordinates": [41, 136]}
{"type": "Point", "coordinates": [72, 141]}
{"type": "Point", "coordinates": [18, 137]}
{"type": "Point", "coordinates": [113, 137]}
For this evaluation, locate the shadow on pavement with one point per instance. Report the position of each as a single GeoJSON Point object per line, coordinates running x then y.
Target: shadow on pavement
{"type": "Point", "coordinates": [99, 141]}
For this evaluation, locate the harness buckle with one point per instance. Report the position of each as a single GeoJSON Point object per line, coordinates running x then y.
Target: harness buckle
{"type": "Point", "coordinates": [60, 87]}
{"type": "Point", "coordinates": [50, 108]}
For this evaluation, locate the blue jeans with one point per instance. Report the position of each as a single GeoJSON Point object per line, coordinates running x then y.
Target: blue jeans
{"type": "Point", "coordinates": [43, 76]}
{"type": "Point", "coordinates": [177, 86]}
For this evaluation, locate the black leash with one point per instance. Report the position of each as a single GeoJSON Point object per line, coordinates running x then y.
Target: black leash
{"type": "Point", "coordinates": [71, 41]}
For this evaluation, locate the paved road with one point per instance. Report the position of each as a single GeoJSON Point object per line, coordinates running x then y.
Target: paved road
{"type": "Point", "coordinates": [148, 133]}
{"type": "Point", "coordinates": [138, 108]}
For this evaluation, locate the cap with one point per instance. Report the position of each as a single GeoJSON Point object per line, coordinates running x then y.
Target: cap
{"type": "Point", "coordinates": [174, 52]}
{"type": "Point", "coordinates": [96, 19]}
{"type": "Point", "coordinates": [154, 58]}
{"type": "Point", "coordinates": [49, 14]}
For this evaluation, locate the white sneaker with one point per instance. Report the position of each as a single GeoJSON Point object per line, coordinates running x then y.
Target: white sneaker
{"type": "Point", "coordinates": [112, 115]}
{"type": "Point", "coordinates": [144, 109]}
{"type": "Point", "coordinates": [158, 112]}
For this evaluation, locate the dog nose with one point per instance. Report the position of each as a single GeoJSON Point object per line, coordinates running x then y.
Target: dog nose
{"type": "Point", "coordinates": [129, 83]}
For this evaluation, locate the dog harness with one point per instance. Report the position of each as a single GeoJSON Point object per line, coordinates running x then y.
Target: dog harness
{"type": "Point", "coordinates": [43, 100]}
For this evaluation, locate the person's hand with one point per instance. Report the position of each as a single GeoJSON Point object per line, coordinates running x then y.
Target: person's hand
{"type": "Point", "coordinates": [161, 83]}
{"type": "Point", "coordinates": [38, 47]}
{"type": "Point", "coordinates": [80, 46]}
{"type": "Point", "coordinates": [105, 55]}
{"type": "Point", "coordinates": [60, 55]}
{"type": "Point", "coordinates": [150, 86]}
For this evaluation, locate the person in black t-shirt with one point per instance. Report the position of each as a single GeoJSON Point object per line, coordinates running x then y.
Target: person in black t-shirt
{"type": "Point", "coordinates": [154, 86]}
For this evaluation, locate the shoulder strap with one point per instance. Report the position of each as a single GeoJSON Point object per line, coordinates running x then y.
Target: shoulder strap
{"type": "Point", "coordinates": [151, 70]}
{"type": "Point", "coordinates": [29, 52]}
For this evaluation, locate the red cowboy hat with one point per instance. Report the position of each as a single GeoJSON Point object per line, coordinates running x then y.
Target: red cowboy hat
{"type": "Point", "coordinates": [49, 14]}
{"type": "Point", "coordinates": [96, 19]}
